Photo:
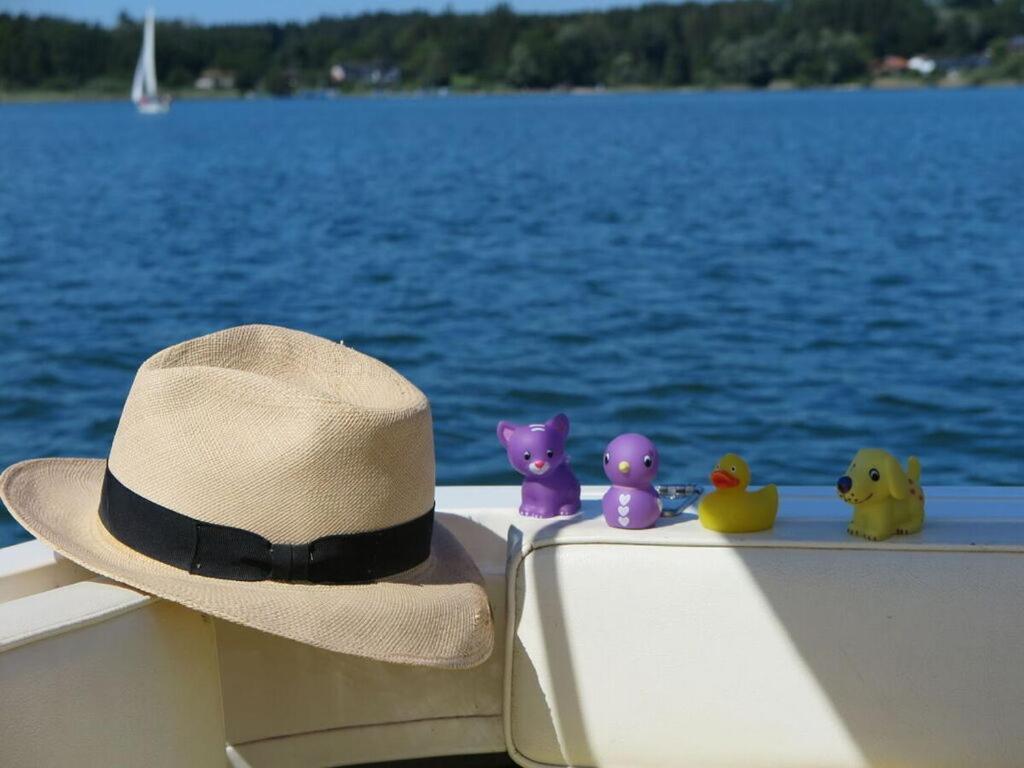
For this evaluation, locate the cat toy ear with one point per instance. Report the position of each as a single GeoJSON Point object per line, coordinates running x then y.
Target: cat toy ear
{"type": "Point", "coordinates": [559, 423]}
{"type": "Point", "coordinates": [505, 430]}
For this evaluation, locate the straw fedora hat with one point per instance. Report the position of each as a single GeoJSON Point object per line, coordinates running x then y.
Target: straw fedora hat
{"type": "Point", "coordinates": [277, 480]}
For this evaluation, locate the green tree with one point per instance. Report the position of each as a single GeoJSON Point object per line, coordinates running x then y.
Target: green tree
{"type": "Point", "coordinates": [623, 70]}
{"type": "Point", "coordinates": [749, 60]}
{"type": "Point", "coordinates": [279, 82]}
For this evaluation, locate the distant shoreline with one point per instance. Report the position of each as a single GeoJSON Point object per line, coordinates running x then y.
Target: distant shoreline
{"type": "Point", "coordinates": [880, 84]}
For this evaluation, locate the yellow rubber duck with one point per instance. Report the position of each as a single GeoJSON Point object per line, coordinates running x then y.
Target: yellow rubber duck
{"type": "Point", "coordinates": [731, 508]}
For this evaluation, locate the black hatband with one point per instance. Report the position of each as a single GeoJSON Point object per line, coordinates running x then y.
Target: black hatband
{"type": "Point", "coordinates": [222, 552]}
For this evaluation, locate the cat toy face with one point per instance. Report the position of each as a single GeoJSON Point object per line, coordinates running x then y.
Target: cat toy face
{"type": "Point", "coordinates": [534, 450]}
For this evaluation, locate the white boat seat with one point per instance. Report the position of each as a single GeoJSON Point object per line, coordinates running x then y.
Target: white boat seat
{"type": "Point", "coordinates": [799, 646]}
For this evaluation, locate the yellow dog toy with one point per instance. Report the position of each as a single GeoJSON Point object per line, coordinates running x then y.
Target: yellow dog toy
{"type": "Point", "coordinates": [885, 500]}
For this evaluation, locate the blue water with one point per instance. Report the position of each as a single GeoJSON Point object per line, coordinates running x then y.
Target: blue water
{"type": "Point", "coordinates": [792, 275]}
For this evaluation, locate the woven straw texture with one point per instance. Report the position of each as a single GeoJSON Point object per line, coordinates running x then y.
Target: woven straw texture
{"type": "Point", "coordinates": [293, 437]}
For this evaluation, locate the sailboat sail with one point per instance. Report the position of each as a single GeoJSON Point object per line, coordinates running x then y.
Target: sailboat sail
{"type": "Point", "coordinates": [137, 82]}
{"type": "Point", "coordinates": [144, 92]}
{"type": "Point", "coordinates": [149, 56]}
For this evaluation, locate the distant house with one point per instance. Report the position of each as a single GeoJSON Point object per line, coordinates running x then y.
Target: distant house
{"type": "Point", "coordinates": [1015, 43]}
{"type": "Point", "coordinates": [891, 65]}
{"type": "Point", "coordinates": [375, 74]}
{"type": "Point", "coordinates": [215, 79]}
{"type": "Point", "coordinates": [923, 65]}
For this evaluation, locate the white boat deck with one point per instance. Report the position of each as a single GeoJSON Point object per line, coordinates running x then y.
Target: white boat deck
{"type": "Point", "coordinates": [895, 653]}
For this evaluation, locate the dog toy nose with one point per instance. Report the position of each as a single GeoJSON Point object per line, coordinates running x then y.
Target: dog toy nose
{"type": "Point", "coordinates": [844, 484]}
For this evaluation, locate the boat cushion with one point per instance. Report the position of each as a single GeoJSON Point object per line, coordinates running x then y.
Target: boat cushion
{"type": "Point", "coordinates": [797, 646]}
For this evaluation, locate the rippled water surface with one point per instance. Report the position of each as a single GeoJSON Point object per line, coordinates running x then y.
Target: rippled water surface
{"type": "Point", "coordinates": [790, 275]}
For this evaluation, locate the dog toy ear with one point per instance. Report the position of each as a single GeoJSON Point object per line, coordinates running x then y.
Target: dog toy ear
{"type": "Point", "coordinates": [559, 423]}
{"type": "Point", "coordinates": [505, 430]}
{"type": "Point", "coordinates": [897, 480]}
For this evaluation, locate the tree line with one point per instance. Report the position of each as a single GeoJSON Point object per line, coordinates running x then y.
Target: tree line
{"type": "Point", "coordinates": [748, 42]}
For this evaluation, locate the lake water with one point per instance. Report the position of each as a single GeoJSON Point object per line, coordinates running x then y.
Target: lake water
{"type": "Point", "coordinates": [790, 275]}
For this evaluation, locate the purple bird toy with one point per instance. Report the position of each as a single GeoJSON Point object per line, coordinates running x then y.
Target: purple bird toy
{"type": "Point", "coordinates": [631, 463]}
{"type": "Point", "coordinates": [537, 452]}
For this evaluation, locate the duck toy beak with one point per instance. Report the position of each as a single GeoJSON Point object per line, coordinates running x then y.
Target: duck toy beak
{"type": "Point", "coordinates": [624, 467]}
{"type": "Point", "coordinates": [722, 479]}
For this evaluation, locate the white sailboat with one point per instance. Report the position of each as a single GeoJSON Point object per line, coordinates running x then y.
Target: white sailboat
{"type": "Point", "coordinates": [144, 93]}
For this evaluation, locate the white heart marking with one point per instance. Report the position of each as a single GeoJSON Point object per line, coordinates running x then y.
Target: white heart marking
{"type": "Point", "coordinates": [624, 498]}
{"type": "Point", "coordinates": [623, 521]}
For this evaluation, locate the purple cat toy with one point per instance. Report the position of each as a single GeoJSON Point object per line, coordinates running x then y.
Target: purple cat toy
{"type": "Point", "coordinates": [631, 462]}
{"type": "Point", "coordinates": [537, 451]}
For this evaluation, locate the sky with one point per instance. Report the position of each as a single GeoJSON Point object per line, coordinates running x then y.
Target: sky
{"type": "Point", "coordinates": [222, 11]}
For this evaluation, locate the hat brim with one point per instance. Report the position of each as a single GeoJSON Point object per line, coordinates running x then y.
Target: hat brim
{"type": "Point", "coordinates": [436, 614]}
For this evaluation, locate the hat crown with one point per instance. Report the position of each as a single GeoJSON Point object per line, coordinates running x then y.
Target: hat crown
{"type": "Point", "coordinates": [277, 432]}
